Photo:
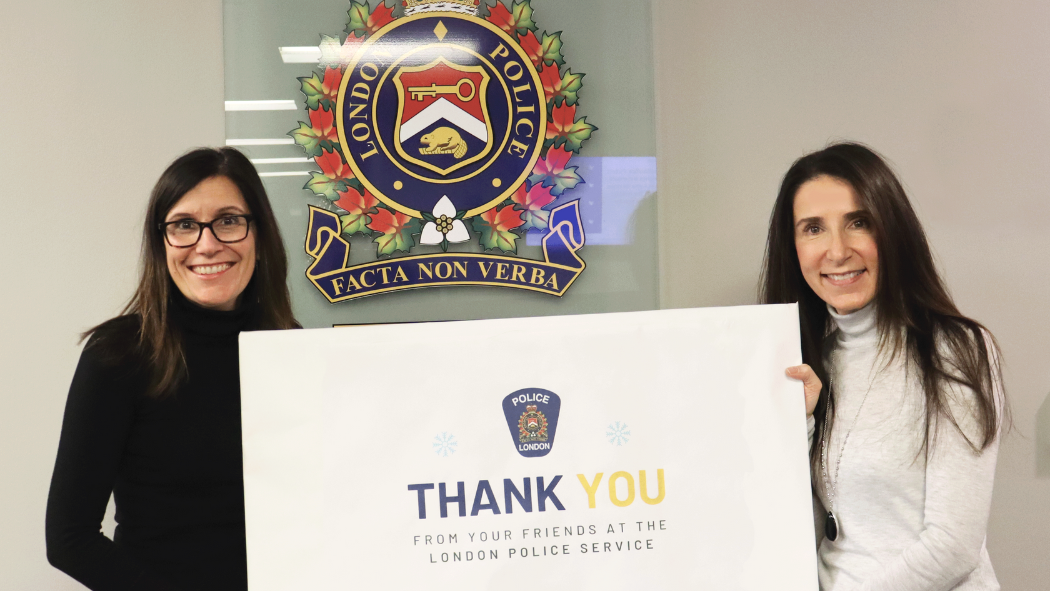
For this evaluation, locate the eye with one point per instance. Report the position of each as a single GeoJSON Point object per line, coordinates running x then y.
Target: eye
{"type": "Point", "coordinates": [860, 224]}
{"type": "Point", "coordinates": [811, 229]}
{"type": "Point", "coordinates": [229, 221]}
{"type": "Point", "coordinates": [185, 225]}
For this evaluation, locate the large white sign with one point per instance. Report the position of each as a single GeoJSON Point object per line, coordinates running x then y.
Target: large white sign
{"type": "Point", "coordinates": [650, 450]}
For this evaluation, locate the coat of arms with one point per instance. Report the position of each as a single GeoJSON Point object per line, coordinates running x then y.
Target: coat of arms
{"type": "Point", "coordinates": [532, 426]}
{"type": "Point", "coordinates": [435, 129]}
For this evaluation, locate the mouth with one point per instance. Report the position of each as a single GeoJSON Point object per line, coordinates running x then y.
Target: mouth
{"type": "Point", "coordinates": [207, 270]}
{"type": "Point", "coordinates": [847, 278]}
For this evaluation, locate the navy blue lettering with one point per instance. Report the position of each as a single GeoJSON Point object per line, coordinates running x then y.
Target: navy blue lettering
{"type": "Point", "coordinates": [525, 501]}
{"type": "Point", "coordinates": [483, 487]}
{"type": "Point", "coordinates": [543, 494]}
{"type": "Point", "coordinates": [460, 498]}
{"type": "Point", "coordinates": [419, 488]}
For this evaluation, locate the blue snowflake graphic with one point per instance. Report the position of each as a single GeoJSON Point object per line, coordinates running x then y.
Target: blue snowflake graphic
{"type": "Point", "coordinates": [618, 433]}
{"type": "Point", "coordinates": [446, 444]}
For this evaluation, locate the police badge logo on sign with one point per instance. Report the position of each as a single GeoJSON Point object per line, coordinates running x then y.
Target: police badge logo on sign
{"type": "Point", "coordinates": [532, 416]}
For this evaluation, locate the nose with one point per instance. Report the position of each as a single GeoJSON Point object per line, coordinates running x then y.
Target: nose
{"type": "Point", "coordinates": [208, 244]}
{"type": "Point", "coordinates": [838, 248]}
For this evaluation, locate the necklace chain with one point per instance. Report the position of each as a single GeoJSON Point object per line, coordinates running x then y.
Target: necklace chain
{"type": "Point", "coordinates": [829, 490]}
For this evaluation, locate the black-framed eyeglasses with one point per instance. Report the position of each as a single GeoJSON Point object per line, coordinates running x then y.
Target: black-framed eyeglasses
{"type": "Point", "coordinates": [187, 232]}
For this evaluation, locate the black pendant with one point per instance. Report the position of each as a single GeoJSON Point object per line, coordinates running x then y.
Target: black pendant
{"type": "Point", "coordinates": [831, 527]}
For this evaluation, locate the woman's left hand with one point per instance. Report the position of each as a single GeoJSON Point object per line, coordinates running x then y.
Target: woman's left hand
{"type": "Point", "coordinates": [811, 384]}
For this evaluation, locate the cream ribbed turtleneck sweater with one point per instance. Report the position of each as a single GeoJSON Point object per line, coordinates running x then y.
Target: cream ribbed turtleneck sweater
{"type": "Point", "coordinates": [908, 521]}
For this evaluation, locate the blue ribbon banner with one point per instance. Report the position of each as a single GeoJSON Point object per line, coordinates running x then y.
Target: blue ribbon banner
{"type": "Point", "coordinates": [338, 282]}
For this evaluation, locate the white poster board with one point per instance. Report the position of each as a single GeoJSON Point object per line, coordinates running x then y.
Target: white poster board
{"type": "Point", "coordinates": [356, 440]}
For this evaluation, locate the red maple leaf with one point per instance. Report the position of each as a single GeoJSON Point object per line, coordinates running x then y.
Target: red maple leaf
{"type": "Point", "coordinates": [356, 203]}
{"type": "Point", "coordinates": [551, 80]}
{"type": "Point", "coordinates": [332, 165]}
{"type": "Point", "coordinates": [323, 124]}
{"type": "Point", "coordinates": [387, 222]}
{"type": "Point", "coordinates": [330, 85]}
{"type": "Point", "coordinates": [554, 163]}
{"type": "Point", "coordinates": [379, 18]}
{"type": "Point", "coordinates": [561, 121]}
{"type": "Point", "coordinates": [350, 45]}
{"type": "Point", "coordinates": [534, 199]}
{"type": "Point", "coordinates": [502, 18]}
{"type": "Point", "coordinates": [532, 48]}
{"type": "Point", "coordinates": [503, 219]}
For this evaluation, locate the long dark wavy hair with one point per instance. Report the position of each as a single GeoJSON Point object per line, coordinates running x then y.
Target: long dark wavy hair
{"type": "Point", "coordinates": [915, 315]}
{"type": "Point", "coordinates": [158, 341]}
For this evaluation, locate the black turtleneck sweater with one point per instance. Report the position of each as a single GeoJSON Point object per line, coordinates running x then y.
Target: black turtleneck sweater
{"type": "Point", "coordinates": [173, 464]}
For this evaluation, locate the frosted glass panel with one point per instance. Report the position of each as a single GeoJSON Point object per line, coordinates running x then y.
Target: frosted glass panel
{"type": "Point", "coordinates": [270, 44]}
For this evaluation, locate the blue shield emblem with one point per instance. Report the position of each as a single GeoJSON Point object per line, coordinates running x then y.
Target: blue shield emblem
{"type": "Point", "coordinates": [532, 416]}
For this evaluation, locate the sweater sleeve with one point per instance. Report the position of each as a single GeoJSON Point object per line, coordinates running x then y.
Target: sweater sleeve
{"type": "Point", "coordinates": [955, 515]}
{"type": "Point", "coordinates": [98, 416]}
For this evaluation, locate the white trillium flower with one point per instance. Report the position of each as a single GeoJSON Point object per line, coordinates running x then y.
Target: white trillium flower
{"type": "Point", "coordinates": [445, 226]}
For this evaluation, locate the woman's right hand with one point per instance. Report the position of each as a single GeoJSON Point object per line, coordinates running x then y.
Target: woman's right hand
{"type": "Point", "coordinates": [811, 385]}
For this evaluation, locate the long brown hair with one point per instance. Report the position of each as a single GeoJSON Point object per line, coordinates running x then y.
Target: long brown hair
{"type": "Point", "coordinates": [158, 341]}
{"type": "Point", "coordinates": [915, 315]}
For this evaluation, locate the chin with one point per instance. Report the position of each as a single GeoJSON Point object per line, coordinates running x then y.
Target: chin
{"type": "Point", "coordinates": [214, 300]}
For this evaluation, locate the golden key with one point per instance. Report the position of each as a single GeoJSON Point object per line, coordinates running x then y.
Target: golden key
{"type": "Point", "coordinates": [418, 92]}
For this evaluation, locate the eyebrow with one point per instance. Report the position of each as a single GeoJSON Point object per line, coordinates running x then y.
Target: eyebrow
{"type": "Point", "coordinates": [860, 213]}
{"type": "Point", "coordinates": [235, 209]}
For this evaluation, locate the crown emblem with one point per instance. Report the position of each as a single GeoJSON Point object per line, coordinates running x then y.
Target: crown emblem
{"type": "Point", "coordinates": [461, 6]}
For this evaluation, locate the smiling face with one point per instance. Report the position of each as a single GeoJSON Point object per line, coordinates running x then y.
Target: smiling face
{"type": "Point", "coordinates": [835, 244]}
{"type": "Point", "coordinates": [212, 274]}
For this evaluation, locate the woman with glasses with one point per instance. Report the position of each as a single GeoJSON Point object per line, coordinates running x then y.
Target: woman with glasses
{"type": "Point", "coordinates": [903, 391]}
{"type": "Point", "coordinates": [153, 413]}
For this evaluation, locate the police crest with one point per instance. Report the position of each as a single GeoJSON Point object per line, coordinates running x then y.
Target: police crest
{"type": "Point", "coordinates": [532, 426]}
{"type": "Point", "coordinates": [438, 128]}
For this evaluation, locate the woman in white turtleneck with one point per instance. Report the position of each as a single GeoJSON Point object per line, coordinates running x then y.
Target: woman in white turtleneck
{"type": "Point", "coordinates": [903, 392]}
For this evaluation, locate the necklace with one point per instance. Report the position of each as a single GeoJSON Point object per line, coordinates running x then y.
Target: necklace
{"type": "Point", "coordinates": [831, 529]}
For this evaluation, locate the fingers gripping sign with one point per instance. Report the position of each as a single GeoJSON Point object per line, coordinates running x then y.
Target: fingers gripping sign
{"type": "Point", "coordinates": [811, 385]}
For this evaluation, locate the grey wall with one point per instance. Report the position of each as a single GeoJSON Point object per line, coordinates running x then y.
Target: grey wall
{"type": "Point", "coordinates": [956, 94]}
{"type": "Point", "coordinates": [98, 97]}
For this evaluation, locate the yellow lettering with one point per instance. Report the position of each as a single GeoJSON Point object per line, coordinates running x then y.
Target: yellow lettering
{"type": "Point", "coordinates": [357, 91]}
{"type": "Point", "coordinates": [384, 270]}
{"type": "Point", "coordinates": [659, 487]}
{"type": "Point", "coordinates": [532, 127]}
{"type": "Point", "coordinates": [365, 282]}
{"type": "Point", "coordinates": [591, 488]}
{"type": "Point", "coordinates": [517, 73]}
{"type": "Point", "coordinates": [353, 282]}
{"type": "Point", "coordinates": [427, 268]}
{"type": "Point", "coordinates": [537, 276]}
{"type": "Point", "coordinates": [399, 275]}
{"type": "Point", "coordinates": [485, 270]}
{"type": "Point", "coordinates": [630, 489]}
{"type": "Point", "coordinates": [371, 152]}
{"type": "Point", "coordinates": [355, 109]}
{"type": "Point", "coordinates": [527, 109]}
{"type": "Point", "coordinates": [517, 99]}
{"type": "Point", "coordinates": [500, 51]}
{"type": "Point", "coordinates": [519, 274]}
{"type": "Point", "coordinates": [360, 126]}
{"type": "Point", "coordinates": [447, 273]}
{"type": "Point", "coordinates": [517, 148]}
{"type": "Point", "coordinates": [460, 268]}
{"type": "Point", "coordinates": [375, 71]}
{"type": "Point", "coordinates": [552, 282]}
{"type": "Point", "coordinates": [337, 285]}
{"type": "Point", "coordinates": [501, 270]}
